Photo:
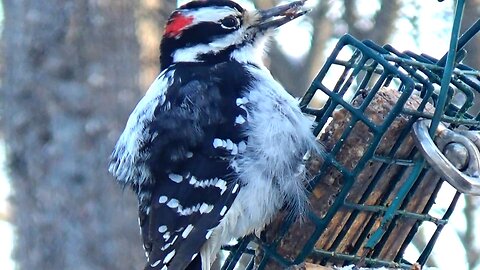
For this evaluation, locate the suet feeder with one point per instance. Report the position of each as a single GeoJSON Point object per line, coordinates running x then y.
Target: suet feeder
{"type": "Point", "coordinates": [398, 128]}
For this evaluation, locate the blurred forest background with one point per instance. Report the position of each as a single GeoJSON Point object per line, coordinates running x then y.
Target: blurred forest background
{"type": "Point", "coordinates": [72, 70]}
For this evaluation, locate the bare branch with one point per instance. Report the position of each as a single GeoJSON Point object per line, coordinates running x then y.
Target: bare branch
{"type": "Point", "coordinates": [472, 13]}
{"type": "Point", "coordinates": [468, 238]}
{"type": "Point", "coordinates": [322, 31]}
{"type": "Point", "coordinates": [296, 77]}
{"type": "Point", "coordinates": [350, 17]}
{"type": "Point", "coordinates": [384, 20]}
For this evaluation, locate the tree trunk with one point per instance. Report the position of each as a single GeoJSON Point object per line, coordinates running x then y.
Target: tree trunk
{"type": "Point", "coordinates": [152, 16]}
{"type": "Point", "coordinates": [69, 80]}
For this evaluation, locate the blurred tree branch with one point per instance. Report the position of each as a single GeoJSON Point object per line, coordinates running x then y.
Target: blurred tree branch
{"type": "Point", "coordinates": [383, 21]}
{"type": "Point", "coordinates": [468, 238]}
{"type": "Point", "coordinates": [471, 15]}
{"type": "Point", "coordinates": [296, 77]}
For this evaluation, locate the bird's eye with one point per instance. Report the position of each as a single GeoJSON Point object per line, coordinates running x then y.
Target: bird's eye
{"type": "Point", "coordinates": [230, 22]}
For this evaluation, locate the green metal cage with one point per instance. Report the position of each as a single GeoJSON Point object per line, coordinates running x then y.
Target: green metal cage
{"type": "Point", "coordinates": [370, 89]}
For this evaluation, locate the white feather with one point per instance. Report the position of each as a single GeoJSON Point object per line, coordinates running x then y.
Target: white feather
{"type": "Point", "coordinates": [210, 14]}
{"type": "Point", "coordinates": [191, 54]}
{"type": "Point", "coordinates": [248, 53]}
{"type": "Point", "coordinates": [278, 137]}
{"type": "Point", "coordinates": [126, 151]}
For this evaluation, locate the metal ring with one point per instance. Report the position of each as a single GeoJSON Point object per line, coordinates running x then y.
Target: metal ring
{"type": "Point", "coordinates": [468, 181]}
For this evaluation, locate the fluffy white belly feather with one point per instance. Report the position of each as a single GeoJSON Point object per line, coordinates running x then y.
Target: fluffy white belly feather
{"type": "Point", "coordinates": [271, 168]}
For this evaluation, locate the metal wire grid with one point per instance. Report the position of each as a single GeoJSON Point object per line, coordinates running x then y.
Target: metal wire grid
{"type": "Point", "coordinates": [372, 67]}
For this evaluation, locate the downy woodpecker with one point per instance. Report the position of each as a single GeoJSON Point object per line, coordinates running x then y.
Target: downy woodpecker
{"type": "Point", "coordinates": [214, 149]}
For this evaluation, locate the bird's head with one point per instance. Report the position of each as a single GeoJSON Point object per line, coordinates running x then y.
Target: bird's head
{"type": "Point", "coordinates": [214, 31]}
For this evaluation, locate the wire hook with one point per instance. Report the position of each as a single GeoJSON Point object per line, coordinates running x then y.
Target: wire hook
{"type": "Point", "coordinates": [466, 181]}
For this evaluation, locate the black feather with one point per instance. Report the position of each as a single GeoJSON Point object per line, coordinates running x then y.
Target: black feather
{"type": "Point", "coordinates": [200, 106]}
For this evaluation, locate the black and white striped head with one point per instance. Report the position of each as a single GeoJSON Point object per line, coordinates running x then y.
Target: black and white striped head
{"type": "Point", "coordinates": [216, 30]}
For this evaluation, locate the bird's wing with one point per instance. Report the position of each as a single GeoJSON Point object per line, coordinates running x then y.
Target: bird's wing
{"type": "Point", "coordinates": [195, 136]}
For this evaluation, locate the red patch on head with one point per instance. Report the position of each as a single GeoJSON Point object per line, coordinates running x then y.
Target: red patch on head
{"type": "Point", "coordinates": [177, 23]}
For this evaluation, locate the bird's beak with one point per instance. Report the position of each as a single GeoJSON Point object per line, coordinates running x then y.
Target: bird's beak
{"type": "Point", "coordinates": [277, 16]}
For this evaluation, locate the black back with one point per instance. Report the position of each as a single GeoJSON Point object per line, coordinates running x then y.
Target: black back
{"type": "Point", "coordinates": [200, 106]}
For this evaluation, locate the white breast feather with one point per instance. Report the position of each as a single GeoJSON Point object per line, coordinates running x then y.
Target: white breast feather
{"type": "Point", "coordinates": [278, 137]}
